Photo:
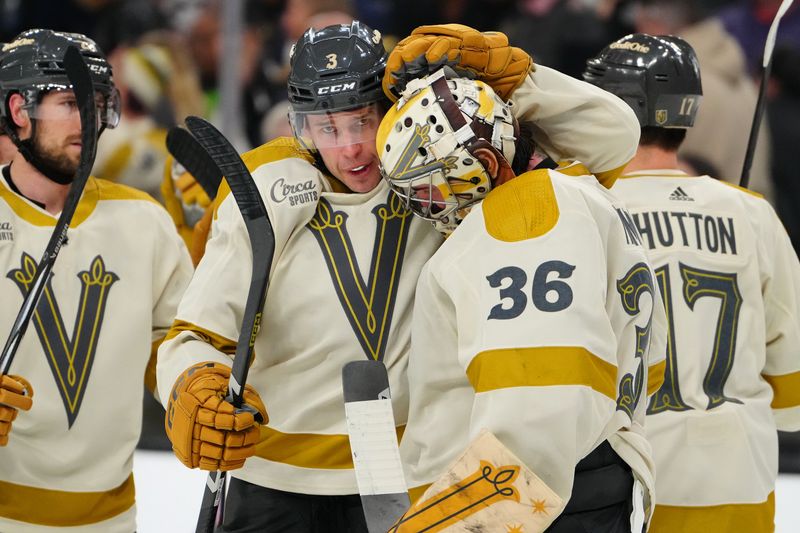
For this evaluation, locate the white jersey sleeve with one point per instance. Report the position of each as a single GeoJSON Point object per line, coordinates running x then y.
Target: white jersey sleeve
{"type": "Point", "coordinates": [578, 121]}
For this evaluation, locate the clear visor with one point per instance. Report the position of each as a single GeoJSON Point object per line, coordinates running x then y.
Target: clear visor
{"type": "Point", "coordinates": [425, 191]}
{"type": "Point", "coordinates": [332, 129]}
{"type": "Point", "coordinates": [60, 104]}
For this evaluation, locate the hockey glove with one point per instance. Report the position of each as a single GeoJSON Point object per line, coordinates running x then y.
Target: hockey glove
{"type": "Point", "coordinates": [205, 430]}
{"type": "Point", "coordinates": [15, 394]}
{"type": "Point", "coordinates": [486, 56]}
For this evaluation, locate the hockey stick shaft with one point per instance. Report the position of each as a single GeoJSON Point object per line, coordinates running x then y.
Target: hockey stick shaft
{"type": "Point", "coordinates": [262, 242]}
{"type": "Point", "coordinates": [761, 103]}
{"type": "Point", "coordinates": [81, 80]}
{"type": "Point", "coordinates": [188, 152]}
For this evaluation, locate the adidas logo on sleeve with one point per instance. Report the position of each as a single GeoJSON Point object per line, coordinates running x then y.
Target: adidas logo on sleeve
{"type": "Point", "coordinates": [680, 195]}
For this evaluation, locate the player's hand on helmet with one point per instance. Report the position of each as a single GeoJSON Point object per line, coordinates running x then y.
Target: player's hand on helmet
{"type": "Point", "coordinates": [486, 56]}
{"type": "Point", "coordinates": [16, 394]}
{"type": "Point", "coordinates": [205, 430]}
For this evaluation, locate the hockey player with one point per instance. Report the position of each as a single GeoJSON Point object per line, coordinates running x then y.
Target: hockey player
{"type": "Point", "coordinates": [113, 293]}
{"type": "Point", "coordinates": [534, 318]}
{"type": "Point", "coordinates": [730, 282]}
{"type": "Point", "coordinates": [347, 258]}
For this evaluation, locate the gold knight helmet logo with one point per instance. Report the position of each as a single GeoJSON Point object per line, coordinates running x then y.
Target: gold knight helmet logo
{"type": "Point", "coordinates": [661, 116]}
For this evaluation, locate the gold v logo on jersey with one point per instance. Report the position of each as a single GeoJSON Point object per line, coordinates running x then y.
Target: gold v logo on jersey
{"type": "Point", "coordinates": [368, 304]}
{"type": "Point", "coordinates": [70, 358]}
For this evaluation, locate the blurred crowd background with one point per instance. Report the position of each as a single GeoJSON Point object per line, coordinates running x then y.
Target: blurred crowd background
{"type": "Point", "coordinates": [170, 60]}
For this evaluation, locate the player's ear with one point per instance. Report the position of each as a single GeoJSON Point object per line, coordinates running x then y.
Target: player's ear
{"type": "Point", "coordinates": [19, 115]}
{"type": "Point", "coordinates": [489, 161]}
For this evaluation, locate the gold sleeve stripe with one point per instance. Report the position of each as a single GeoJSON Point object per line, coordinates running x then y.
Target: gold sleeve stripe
{"type": "Point", "coordinates": [655, 377]}
{"type": "Point", "coordinates": [606, 178]}
{"type": "Point", "coordinates": [531, 199]}
{"type": "Point", "coordinates": [572, 168]}
{"type": "Point", "coordinates": [150, 371]}
{"type": "Point", "coordinates": [541, 367]}
{"type": "Point", "coordinates": [219, 342]}
{"type": "Point", "coordinates": [750, 517]}
{"type": "Point", "coordinates": [308, 450]}
{"type": "Point", "coordinates": [63, 509]}
{"type": "Point", "coordinates": [417, 492]}
{"type": "Point", "coordinates": [786, 390]}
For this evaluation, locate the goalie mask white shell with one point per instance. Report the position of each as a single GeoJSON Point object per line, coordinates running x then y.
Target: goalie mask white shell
{"type": "Point", "coordinates": [426, 144]}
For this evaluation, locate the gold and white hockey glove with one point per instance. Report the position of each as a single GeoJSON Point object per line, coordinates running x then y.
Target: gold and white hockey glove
{"type": "Point", "coordinates": [15, 394]}
{"type": "Point", "coordinates": [205, 430]}
{"type": "Point", "coordinates": [486, 56]}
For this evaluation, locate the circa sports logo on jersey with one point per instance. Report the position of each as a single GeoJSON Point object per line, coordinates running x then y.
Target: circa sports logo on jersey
{"type": "Point", "coordinates": [6, 231]}
{"type": "Point", "coordinates": [298, 193]}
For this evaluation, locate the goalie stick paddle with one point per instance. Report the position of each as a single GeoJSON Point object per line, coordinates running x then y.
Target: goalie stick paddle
{"type": "Point", "coordinates": [81, 80]}
{"type": "Point", "coordinates": [189, 153]}
{"type": "Point", "coordinates": [262, 240]}
{"type": "Point", "coordinates": [373, 443]}
{"type": "Point", "coordinates": [769, 47]}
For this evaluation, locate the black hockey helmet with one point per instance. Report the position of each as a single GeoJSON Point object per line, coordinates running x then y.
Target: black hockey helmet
{"type": "Point", "coordinates": [658, 76]}
{"type": "Point", "coordinates": [32, 64]}
{"type": "Point", "coordinates": [336, 68]}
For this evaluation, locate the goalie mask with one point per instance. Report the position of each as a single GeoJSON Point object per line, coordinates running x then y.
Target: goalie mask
{"type": "Point", "coordinates": [428, 140]}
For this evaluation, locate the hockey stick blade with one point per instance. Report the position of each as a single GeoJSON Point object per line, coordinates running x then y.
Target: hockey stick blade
{"type": "Point", "coordinates": [188, 152]}
{"type": "Point", "coordinates": [262, 242]}
{"type": "Point", "coordinates": [81, 80]}
{"type": "Point", "coordinates": [373, 443]}
{"type": "Point", "coordinates": [761, 102]}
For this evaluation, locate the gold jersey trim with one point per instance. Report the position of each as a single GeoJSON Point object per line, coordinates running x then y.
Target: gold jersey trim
{"type": "Point", "coordinates": [220, 343]}
{"type": "Point", "coordinates": [61, 508]}
{"type": "Point", "coordinates": [607, 178]}
{"type": "Point", "coordinates": [95, 191]}
{"type": "Point", "coordinates": [541, 367]}
{"type": "Point", "coordinates": [308, 450]}
{"type": "Point", "coordinates": [655, 377]}
{"type": "Point", "coordinates": [786, 390]}
{"type": "Point", "coordinates": [731, 518]}
{"type": "Point", "coordinates": [523, 208]}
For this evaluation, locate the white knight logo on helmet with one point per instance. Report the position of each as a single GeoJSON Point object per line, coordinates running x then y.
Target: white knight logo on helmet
{"type": "Point", "coordinates": [15, 44]}
{"type": "Point", "coordinates": [632, 46]}
{"type": "Point", "coordinates": [339, 87]}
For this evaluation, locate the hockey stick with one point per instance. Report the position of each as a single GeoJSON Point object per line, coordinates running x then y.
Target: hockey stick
{"type": "Point", "coordinates": [188, 152]}
{"type": "Point", "coordinates": [262, 240]}
{"type": "Point", "coordinates": [81, 80]}
{"type": "Point", "coordinates": [762, 93]}
{"type": "Point", "coordinates": [373, 443]}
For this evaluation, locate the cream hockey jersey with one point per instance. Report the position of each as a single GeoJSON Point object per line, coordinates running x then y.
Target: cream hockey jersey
{"type": "Point", "coordinates": [730, 281]}
{"type": "Point", "coordinates": [341, 289]}
{"type": "Point", "coordinates": [534, 320]}
{"type": "Point", "coordinates": [113, 294]}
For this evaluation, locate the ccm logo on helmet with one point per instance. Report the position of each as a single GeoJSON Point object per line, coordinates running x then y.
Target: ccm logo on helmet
{"type": "Point", "coordinates": [333, 89]}
{"type": "Point", "coordinates": [98, 69]}
{"type": "Point", "coordinates": [632, 46]}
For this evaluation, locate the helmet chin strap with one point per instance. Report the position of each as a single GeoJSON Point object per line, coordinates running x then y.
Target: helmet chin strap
{"type": "Point", "coordinates": [29, 152]}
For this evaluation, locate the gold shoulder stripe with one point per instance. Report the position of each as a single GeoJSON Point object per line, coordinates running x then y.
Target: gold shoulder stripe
{"type": "Point", "coordinates": [575, 168]}
{"type": "Point", "coordinates": [572, 168]}
{"type": "Point", "coordinates": [116, 191]}
{"type": "Point", "coordinates": [59, 508]}
{"type": "Point", "coordinates": [216, 340]}
{"type": "Point", "coordinates": [308, 450]}
{"type": "Point", "coordinates": [37, 217]}
{"type": "Point", "coordinates": [748, 191]}
{"type": "Point", "coordinates": [750, 517]}
{"type": "Point", "coordinates": [655, 377]}
{"type": "Point", "coordinates": [275, 150]}
{"type": "Point", "coordinates": [523, 208]}
{"type": "Point", "coordinates": [541, 367]}
{"type": "Point", "coordinates": [786, 390]}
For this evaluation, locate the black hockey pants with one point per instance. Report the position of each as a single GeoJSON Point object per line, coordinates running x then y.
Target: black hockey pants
{"type": "Point", "coordinates": [251, 508]}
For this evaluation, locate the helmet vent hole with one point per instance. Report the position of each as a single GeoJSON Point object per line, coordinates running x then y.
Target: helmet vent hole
{"type": "Point", "coordinates": [467, 161]}
{"type": "Point", "coordinates": [425, 102]}
{"type": "Point", "coordinates": [408, 122]}
{"type": "Point", "coordinates": [481, 189]}
{"type": "Point", "coordinates": [662, 77]}
{"type": "Point", "coordinates": [439, 129]}
{"type": "Point", "coordinates": [432, 119]}
{"type": "Point", "coordinates": [398, 127]}
{"type": "Point", "coordinates": [423, 152]}
{"type": "Point", "coordinates": [388, 147]}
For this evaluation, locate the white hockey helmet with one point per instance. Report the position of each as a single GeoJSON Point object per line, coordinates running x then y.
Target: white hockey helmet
{"type": "Point", "coordinates": [427, 143]}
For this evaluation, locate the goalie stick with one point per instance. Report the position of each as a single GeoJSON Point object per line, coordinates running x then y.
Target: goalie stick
{"type": "Point", "coordinates": [769, 47]}
{"type": "Point", "coordinates": [373, 443]}
{"type": "Point", "coordinates": [262, 240]}
{"type": "Point", "coordinates": [81, 80]}
{"type": "Point", "coordinates": [191, 155]}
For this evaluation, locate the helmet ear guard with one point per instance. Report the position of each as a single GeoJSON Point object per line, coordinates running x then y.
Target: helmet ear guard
{"type": "Point", "coordinates": [429, 145]}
